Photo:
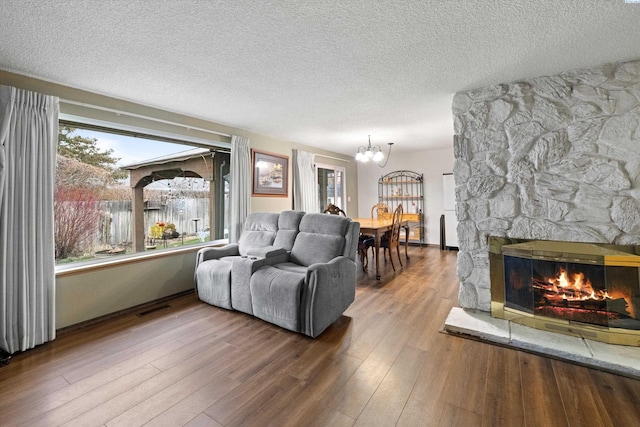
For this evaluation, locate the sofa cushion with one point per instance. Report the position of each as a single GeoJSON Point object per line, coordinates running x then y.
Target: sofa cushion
{"type": "Point", "coordinates": [321, 238]}
{"type": "Point", "coordinates": [292, 267]}
{"type": "Point", "coordinates": [259, 230]}
{"type": "Point", "coordinates": [288, 226]}
{"type": "Point", "coordinates": [276, 297]}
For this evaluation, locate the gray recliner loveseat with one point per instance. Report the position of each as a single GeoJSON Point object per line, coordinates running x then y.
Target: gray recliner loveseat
{"type": "Point", "coordinates": [292, 269]}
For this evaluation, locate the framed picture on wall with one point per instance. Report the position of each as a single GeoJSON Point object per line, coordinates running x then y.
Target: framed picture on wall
{"type": "Point", "coordinates": [270, 174]}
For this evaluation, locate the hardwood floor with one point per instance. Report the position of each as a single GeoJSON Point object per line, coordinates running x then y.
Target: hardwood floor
{"type": "Point", "coordinates": [383, 363]}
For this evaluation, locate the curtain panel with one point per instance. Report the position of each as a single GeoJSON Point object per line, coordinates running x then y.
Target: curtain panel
{"type": "Point", "coordinates": [28, 141]}
{"type": "Point", "coordinates": [305, 194]}
{"type": "Point", "coordinates": [240, 186]}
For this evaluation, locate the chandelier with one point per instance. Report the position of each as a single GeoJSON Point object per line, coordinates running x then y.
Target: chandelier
{"type": "Point", "coordinates": [373, 153]}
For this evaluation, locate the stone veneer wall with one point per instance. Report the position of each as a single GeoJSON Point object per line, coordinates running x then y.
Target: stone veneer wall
{"type": "Point", "coordinates": [555, 158]}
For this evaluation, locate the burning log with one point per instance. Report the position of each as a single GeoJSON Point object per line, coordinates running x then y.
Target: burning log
{"type": "Point", "coordinates": [569, 292]}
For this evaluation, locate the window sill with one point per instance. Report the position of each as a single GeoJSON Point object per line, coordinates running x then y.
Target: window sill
{"type": "Point", "coordinates": [97, 264]}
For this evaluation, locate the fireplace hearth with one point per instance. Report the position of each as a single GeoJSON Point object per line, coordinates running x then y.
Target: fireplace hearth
{"type": "Point", "coordinates": [581, 289]}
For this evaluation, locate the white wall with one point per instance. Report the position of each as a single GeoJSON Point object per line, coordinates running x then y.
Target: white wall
{"type": "Point", "coordinates": [431, 163]}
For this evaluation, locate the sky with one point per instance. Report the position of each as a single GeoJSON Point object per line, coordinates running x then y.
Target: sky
{"type": "Point", "coordinates": [130, 149]}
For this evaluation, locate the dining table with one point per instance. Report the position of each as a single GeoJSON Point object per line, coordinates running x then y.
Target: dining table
{"type": "Point", "coordinates": [377, 228]}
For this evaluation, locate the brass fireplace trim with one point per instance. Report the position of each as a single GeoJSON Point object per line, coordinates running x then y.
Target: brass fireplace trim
{"type": "Point", "coordinates": [618, 336]}
{"type": "Point", "coordinates": [615, 255]}
{"type": "Point", "coordinates": [583, 253]}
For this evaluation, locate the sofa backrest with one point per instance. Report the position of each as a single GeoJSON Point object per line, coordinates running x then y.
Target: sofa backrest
{"type": "Point", "coordinates": [322, 237]}
{"type": "Point", "coordinates": [260, 230]}
{"type": "Point", "coordinates": [351, 240]}
{"type": "Point", "coordinates": [288, 227]}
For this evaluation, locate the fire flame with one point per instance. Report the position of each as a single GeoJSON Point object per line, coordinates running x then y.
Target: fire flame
{"type": "Point", "coordinates": [575, 287]}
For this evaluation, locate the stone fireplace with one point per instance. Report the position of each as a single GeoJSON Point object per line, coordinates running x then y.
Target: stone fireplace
{"type": "Point", "coordinates": [550, 158]}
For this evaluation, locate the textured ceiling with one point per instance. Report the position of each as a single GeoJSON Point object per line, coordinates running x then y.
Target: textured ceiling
{"type": "Point", "coordinates": [323, 73]}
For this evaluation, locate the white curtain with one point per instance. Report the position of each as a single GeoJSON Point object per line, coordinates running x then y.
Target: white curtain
{"type": "Point", "coordinates": [305, 194]}
{"type": "Point", "coordinates": [28, 140]}
{"type": "Point", "coordinates": [240, 191]}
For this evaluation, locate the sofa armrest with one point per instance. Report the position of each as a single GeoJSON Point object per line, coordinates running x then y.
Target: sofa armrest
{"type": "Point", "coordinates": [266, 252]}
{"type": "Point", "coordinates": [205, 254]}
{"type": "Point", "coordinates": [328, 290]}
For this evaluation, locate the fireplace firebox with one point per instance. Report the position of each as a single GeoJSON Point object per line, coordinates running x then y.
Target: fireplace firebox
{"type": "Point", "coordinates": [581, 289]}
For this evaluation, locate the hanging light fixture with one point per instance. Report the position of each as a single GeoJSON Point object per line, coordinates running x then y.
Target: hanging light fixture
{"type": "Point", "coordinates": [373, 153]}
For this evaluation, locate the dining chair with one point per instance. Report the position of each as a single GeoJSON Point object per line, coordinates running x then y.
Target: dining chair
{"type": "Point", "coordinates": [362, 253]}
{"type": "Point", "coordinates": [379, 210]}
{"type": "Point", "coordinates": [334, 210]}
{"type": "Point", "coordinates": [392, 239]}
{"type": "Point", "coordinates": [366, 241]}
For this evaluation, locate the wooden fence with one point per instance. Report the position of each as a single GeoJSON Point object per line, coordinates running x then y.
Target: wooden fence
{"type": "Point", "coordinates": [116, 224]}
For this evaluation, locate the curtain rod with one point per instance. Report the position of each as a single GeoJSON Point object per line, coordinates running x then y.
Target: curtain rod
{"type": "Point", "coordinates": [140, 116]}
{"type": "Point", "coordinates": [332, 158]}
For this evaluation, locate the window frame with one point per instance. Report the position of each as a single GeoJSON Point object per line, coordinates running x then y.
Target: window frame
{"type": "Point", "coordinates": [92, 124]}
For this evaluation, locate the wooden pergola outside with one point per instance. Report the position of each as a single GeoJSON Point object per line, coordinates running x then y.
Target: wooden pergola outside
{"type": "Point", "coordinates": [197, 163]}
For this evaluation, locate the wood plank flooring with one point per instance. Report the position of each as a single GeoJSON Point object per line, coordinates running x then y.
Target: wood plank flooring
{"type": "Point", "coordinates": [384, 363]}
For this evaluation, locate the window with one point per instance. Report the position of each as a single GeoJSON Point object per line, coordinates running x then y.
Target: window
{"type": "Point", "coordinates": [119, 193]}
{"type": "Point", "coordinates": [331, 188]}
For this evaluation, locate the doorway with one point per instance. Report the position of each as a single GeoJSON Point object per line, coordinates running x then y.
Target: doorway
{"type": "Point", "coordinates": [331, 186]}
